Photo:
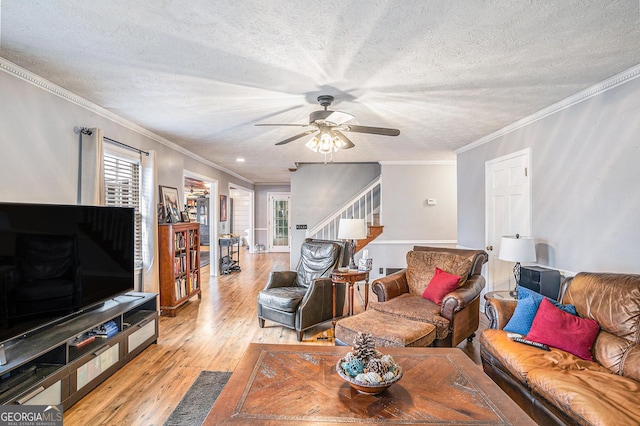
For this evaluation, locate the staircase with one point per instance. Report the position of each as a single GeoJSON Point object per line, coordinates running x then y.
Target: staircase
{"type": "Point", "coordinates": [364, 205]}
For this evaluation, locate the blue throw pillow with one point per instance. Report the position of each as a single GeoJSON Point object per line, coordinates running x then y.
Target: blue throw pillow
{"type": "Point", "coordinates": [526, 309]}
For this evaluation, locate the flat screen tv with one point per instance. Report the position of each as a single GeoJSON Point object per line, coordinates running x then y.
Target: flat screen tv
{"type": "Point", "coordinates": [59, 260]}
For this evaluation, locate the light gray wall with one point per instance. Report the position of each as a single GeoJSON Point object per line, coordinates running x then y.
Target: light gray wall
{"type": "Point", "coordinates": [405, 212]}
{"type": "Point", "coordinates": [405, 215]}
{"type": "Point", "coordinates": [585, 176]}
{"type": "Point", "coordinates": [407, 218]}
{"type": "Point", "coordinates": [318, 189]}
{"type": "Point", "coordinates": [40, 151]}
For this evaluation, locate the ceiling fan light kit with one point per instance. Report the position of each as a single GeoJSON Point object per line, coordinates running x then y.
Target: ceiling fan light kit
{"type": "Point", "coordinates": [328, 127]}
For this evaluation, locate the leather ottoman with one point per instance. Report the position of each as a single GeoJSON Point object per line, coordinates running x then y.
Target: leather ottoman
{"type": "Point", "coordinates": [386, 330]}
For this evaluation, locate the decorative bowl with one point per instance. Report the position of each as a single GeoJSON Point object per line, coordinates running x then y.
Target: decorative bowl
{"type": "Point", "coordinates": [368, 388]}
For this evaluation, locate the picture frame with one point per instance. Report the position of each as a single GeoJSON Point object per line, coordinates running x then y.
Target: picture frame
{"type": "Point", "coordinates": [171, 202]}
{"type": "Point", "coordinates": [223, 208]}
{"type": "Point", "coordinates": [162, 214]}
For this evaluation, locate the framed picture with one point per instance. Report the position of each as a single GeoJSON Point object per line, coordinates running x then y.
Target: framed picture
{"type": "Point", "coordinates": [162, 214]}
{"type": "Point", "coordinates": [169, 197]}
{"type": "Point", "coordinates": [223, 208]}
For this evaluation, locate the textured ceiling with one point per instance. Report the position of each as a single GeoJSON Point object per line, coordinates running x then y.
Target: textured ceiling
{"type": "Point", "coordinates": [201, 73]}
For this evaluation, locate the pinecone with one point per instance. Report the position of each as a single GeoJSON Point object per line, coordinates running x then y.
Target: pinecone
{"type": "Point", "coordinates": [376, 365]}
{"type": "Point", "coordinates": [363, 347]}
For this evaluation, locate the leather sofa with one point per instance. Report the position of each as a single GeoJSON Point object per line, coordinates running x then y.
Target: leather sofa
{"type": "Point", "coordinates": [457, 317]}
{"type": "Point", "coordinates": [556, 387]}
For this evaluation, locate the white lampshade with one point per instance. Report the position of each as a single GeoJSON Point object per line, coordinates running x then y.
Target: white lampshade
{"type": "Point", "coordinates": [352, 229]}
{"type": "Point", "coordinates": [515, 248]}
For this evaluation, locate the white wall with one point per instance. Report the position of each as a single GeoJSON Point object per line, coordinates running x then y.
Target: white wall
{"type": "Point", "coordinates": [585, 176]}
{"type": "Point", "coordinates": [241, 212]}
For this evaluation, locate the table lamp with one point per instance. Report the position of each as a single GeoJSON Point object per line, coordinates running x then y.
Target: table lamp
{"type": "Point", "coordinates": [352, 229]}
{"type": "Point", "coordinates": [515, 248]}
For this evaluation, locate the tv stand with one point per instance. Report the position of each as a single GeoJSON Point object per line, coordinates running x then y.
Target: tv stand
{"type": "Point", "coordinates": [44, 368]}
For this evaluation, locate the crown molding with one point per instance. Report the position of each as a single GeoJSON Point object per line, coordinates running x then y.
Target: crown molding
{"type": "Point", "coordinates": [418, 163]}
{"type": "Point", "coordinates": [597, 89]}
{"type": "Point", "coordinates": [412, 242]}
{"type": "Point", "coordinates": [23, 74]}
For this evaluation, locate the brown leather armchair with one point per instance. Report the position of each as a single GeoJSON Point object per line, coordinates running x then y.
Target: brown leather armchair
{"type": "Point", "coordinates": [303, 298]}
{"type": "Point", "coordinates": [458, 317]}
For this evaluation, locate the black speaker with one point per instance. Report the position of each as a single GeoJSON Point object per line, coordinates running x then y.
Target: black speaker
{"type": "Point", "coordinates": [541, 280]}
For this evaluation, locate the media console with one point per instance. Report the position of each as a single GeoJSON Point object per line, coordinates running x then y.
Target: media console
{"type": "Point", "coordinates": [51, 367]}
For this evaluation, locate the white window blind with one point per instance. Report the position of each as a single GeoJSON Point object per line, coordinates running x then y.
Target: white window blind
{"type": "Point", "coordinates": [122, 189]}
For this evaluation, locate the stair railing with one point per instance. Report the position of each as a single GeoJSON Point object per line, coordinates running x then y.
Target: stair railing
{"type": "Point", "coordinates": [364, 205]}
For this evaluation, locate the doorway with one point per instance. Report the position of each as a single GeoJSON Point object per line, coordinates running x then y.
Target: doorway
{"type": "Point", "coordinates": [278, 230]}
{"type": "Point", "coordinates": [200, 193]}
{"type": "Point", "coordinates": [241, 214]}
{"type": "Point", "coordinates": [508, 211]}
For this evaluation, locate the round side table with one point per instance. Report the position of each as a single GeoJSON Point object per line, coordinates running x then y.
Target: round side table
{"type": "Point", "coordinates": [349, 277]}
{"type": "Point", "coordinates": [489, 310]}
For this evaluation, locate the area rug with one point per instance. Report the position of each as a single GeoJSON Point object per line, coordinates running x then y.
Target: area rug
{"type": "Point", "coordinates": [204, 258]}
{"type": "Point", "coordinates": [196, 403]}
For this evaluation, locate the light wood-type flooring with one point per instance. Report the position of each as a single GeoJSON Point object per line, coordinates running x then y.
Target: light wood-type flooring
{"type": "Point", "coordinates": [207, 334]}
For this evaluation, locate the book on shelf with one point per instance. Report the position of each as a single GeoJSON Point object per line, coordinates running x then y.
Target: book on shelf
{"type": "Point", "coordinates": [181, 288]}
{"type": "Point", "coordinates": [194, 259]}
{"type": "Point", "coordinates": [194, 280]}
{"type": "Point", "coordinates": [193, 238]}
{"type": "Point", "coordinates": [180, 241]}
{"type": "Point", "coordinates": [180, 264]}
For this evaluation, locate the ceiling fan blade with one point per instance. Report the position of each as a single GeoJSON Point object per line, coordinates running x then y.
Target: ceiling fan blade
{"type": "Point", "coordinates": [372, 130]}
{"type": "Point", "coordinates": [335, 117]}
{"type": "Point", "coordinates": [274, 124]}
{"type": "Point", "coordinates": [347, 142]}
{"type": "Point", "coordinates": [293, 138]}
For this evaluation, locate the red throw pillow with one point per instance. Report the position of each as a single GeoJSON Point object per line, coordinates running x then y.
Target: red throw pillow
{"type": "Point", "coordinates": [440, 285]}
{"type": "Point", "coordinates": [561, 330]}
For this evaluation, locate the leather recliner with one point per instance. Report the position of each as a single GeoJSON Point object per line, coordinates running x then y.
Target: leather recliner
{"type": "Point", "coordinates": [303, 298]}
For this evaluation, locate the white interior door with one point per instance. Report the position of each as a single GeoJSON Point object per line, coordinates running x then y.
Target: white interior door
{"type": "Point", "coordinates": [279, 229]}
{"type": "Point", "coordinates": [508, 212]}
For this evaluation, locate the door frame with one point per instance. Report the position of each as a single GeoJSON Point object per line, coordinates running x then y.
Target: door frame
{"type": "Point", "coordinates": [214, 220]}
{"type": "Point", "coordinates": [488, 220]}
{"type": "Point", "coordinates": [252, 214]}
{"type": "Point", "coordinates": [270, 197]}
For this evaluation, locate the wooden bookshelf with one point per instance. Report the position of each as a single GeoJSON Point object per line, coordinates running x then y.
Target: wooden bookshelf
{"type": "Point", "coordinates": [179, 251]}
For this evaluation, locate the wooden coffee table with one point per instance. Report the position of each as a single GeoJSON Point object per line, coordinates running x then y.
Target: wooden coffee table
{"type": "Point", "coordinates": [298, 384]}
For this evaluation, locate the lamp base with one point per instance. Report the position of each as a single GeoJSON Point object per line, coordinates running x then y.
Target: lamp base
{"type": "Point", "coordinates": [516, 275]}
{"type": "Point", "coordinates": [352, 251]}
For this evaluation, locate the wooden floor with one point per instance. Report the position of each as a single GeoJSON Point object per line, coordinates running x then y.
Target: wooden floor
{"type": "Point", "coordinates": [207, 334]}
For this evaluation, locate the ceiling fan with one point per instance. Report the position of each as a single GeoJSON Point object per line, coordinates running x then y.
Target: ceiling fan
{"type": "Point", "coordinates": [329, 127]}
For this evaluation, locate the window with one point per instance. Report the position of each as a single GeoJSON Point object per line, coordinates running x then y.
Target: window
{"type": "Point", "coordinates": [122, 189]}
